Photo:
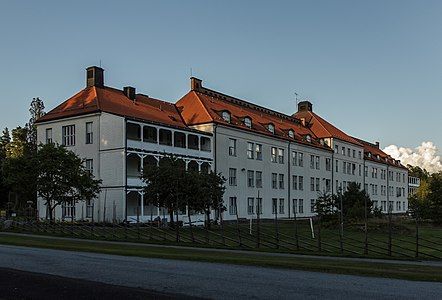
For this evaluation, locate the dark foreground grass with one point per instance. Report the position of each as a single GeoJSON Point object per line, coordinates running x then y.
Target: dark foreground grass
{"type": "Point", "coordinates": [338, 266]}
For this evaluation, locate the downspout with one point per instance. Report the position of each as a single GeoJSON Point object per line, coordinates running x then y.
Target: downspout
{"type": "Point", "coordinates": [288, 180]}
{"type": "Point", "coordinates": [214, 147]}
{"type": "Point", "coordinates": [125, 169]}
{"type": "Point", "coordinates": [332, 172]}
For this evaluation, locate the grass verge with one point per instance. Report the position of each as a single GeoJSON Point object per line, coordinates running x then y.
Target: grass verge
{"type": "Point", "coordinates": [369, 268]}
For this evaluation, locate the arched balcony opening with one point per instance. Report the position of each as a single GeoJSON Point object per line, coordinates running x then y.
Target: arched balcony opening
{"type": "Point", "coordinates": [133, 131]}
{"type": "Point", "coordinates": [133, 165]}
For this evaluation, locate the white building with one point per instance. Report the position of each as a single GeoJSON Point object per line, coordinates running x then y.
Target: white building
{"type": "Point", "coordinates": [413, 184]}
{"type": "Point", "coordinates": [277, 161]}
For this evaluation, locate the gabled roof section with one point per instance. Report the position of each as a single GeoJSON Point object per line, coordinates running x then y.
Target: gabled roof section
{"type": "Point", "coordinates": [106, 99]}
{"type": "Point", "coordinates": [372, 151]}
{"type": "Point", "coordinates": [322, 128]}
{"type": "Point", "coordinates": [202, 106]}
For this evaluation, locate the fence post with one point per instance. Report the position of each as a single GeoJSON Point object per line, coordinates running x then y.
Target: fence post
{"type": "Point", "coordinates": [365, 227]}
{"type": "Point", "coordinates": [389, 229]}
{"type": "Point", "coordinates": [417, 237]}
{"type": "Point", "coordinates": [319, 234]}
{"type": "Point", "coordinates": [276, 225]}
{"type": "Point", "coordinates": [295, 223]}
{"type": "Point", "coordinates": [138, 222]}
{"type": "Point", "coordinates": [258, 232]}
{"type": "Point", "coordinates": [237, 224]}
{"type": "Point", "coordinates": [222, 228]}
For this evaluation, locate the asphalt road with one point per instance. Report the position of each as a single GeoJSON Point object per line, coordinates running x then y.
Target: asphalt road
{"type": "Point", "coordinates": [210, 280]}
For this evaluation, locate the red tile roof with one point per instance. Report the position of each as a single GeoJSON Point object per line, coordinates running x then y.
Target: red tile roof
{"type": "Point", "coordinates": [105, 99]}
{"type": "Point", "coordinates": [324, 129]}
{"type": "Point", "coordinates": [374, 151]}
{"type": "Point", "coordinates": [206, 106]}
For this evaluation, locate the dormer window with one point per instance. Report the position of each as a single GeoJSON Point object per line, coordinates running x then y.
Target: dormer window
{"type": "Point", "coordinates": [248, 122]}
{"type": "Point", "coordinates": [271, 128]}
{"type": "Point", "coordinates": [308, 138]}
{"type": "Point", "coordinates": [291, 134]}
{"type": "Point", "coordinates": [369, 154]}
{"type": "Point", "coordinates": [378, 157]}
{"type": "Point", "coordinates": [226, 116]}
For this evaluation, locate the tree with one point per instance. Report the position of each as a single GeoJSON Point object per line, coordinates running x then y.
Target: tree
{"type": "Point", "coordinates": [353, 202]}
{"type": "Point", "coordinates": [18, 168]}
{"type": "Point", "coordinates": [61, 176]}
{"type": "Point", "coordinates": [418, 172]}
{"type": "Point", "coordinates": [36, 110]}
{"type": "Point", "coordinates": [212, 192]}
{"type": "Point", "coordinates": [164, 185]}
{"type": "Point", "coordinates": [325, 206]}
{"type": "Point", "coordinates": [435, 197]}
{"type": "Point", "coordinates": [5, 139]}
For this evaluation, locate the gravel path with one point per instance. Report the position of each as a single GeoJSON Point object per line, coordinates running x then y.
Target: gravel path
{"type": "Point", "coordinates": [211, 280]}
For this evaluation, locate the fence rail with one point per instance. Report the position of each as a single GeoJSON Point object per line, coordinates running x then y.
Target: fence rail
{"type": "Point", "coordinates": [293, 236]}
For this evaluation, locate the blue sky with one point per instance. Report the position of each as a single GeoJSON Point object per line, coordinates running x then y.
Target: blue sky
{"type": "Point", "coordinates": [373, 68]}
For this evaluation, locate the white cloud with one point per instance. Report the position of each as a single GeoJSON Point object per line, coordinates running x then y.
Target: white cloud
{"type": "Point", "coordinates": [424, 156]}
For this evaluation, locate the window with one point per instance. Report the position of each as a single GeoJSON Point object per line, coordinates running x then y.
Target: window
{"type": "Point", "coordinates": [328, 164]}
{"type": "Point", "coordinates": [259, 206]}
{"type": "Point", "coordinates": [312, 184]}
{"type": "Point", "coordinates": [89, 209]}
{"type": "Point", "coordinates": [90, 166]}
{"type": "Point", "coordinates": [294, 158]}
{"type": "Point", "coordinates": [250, 178]}
{"type": "Point", "coordinates": [133, 132]}
{"type": "Point", "coordinates": [89, 133]}
{"type": "Point", "coordinates": [294, 206]}
{"type": "Point", "coordinates": [360, 170]}
{"type": "Point", "coordinates": [68, 135]}
{"type": "Point", "coordinates": [232, 176]}
{"type": "Point", "coordinates": [344, 167]}
{"type": "Point", "coordinates": [206, 144]}
{"type": "Point", "coordinates": [354, 153]}
{"type": "Point", "coordinates": [281, 181]}
{"type": "Point", "coordinates": [317, 163]}
{"type": "Point", "coordinates": [192, 142]}
{"type": "Point", "coordinates": [258, 150]}
{"type": "Point", "coordinates": [232, 147]}
{"type": "Point", "coordinates": [295, 182]}
{"type": "Point", "coordinates": [337, 166]}
{"type": "Point", "coordinates": [308, 138]}
{"type": "Point", "coordinates": [291, 134]}
{"type": "Point", "coordinates": [301, 183]}
{"type": "Point", "coordinates": [281, 156]}
{"type": "Point", "coordinates": [179, 139]}
{"type": "Point", "coordinates": [232, 205]}
{"type": "Point", "coordinates": [312, 205]}
{"type": "Point", "coordinates": [353, 168]}
{"type": "Point", "coordinates": [250, 205]}
{"type": "Point", "coordinates": [150, 134]}
{"type": "Point", "coordinates": [49, 136]}
{"type": "Point", "coordinates": [359, 154]}
{"type": "Point", "coordinates": [248, 122]}
{"type": "Point", "coordinates": [165, 137]}
{"type": "Point", "coordinates": [301, 206]}
{"type": "Point", "coordinates": [281, 206]}
{"type": "Point", "coordinates": [348, 152]}
{"type": "Point", "coordinates": [68, 209]}
{"type": "Point", "coordinates": [274, 180]}
{"type": "Point", "coordinates": [274, 205]}
{"type": "Point", "coordinates": [300, 159]}
{"type": "Point", "coordinates": [318, 187]}
{"type": "Point", "coordinates": [250, 152]}
{"type": "Point", "coordinates": [336, 149]}
{"type": "Point", "coordinates": [258, 179]}
{"type": "Point", "coordinates": [274, 157]}
{"type": "Point", "coordinates": [343, 151]}
{"type": "Point", "coordinates": [226, 116]}
{"type": "Point", "coordinates": [312, 161]}
{"type": "Point", "coordinates": [327, 185]}
{"type": "Point", "coordinates": [366, 171]}
{"type": "Point", "coordinates": [271, 128]}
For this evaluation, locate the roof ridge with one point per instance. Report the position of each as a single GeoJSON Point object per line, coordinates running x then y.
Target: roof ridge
{"type": "Point", "coordinates": [248, 104]}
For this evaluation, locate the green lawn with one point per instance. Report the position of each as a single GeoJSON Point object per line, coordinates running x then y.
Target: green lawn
{"type": "Point", "coordinates": [396, 270]}
{"type": "Point", "coordinates": [235, 236]}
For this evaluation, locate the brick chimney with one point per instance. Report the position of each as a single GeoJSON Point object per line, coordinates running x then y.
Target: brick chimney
{"type": "Point", "coordinates": [94, 76]}
{"type": "Point", "coordinates": [305, 106]}
{"type": "Point", "coordinates": [195, 84]}
{"type": "Point", "coordinates": [129, 91]}
{"type": "Point", "coordinates": [377, 144]}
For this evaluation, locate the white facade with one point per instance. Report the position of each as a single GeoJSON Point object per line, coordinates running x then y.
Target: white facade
{"type": "Point", "coordinates": [117, 158]}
